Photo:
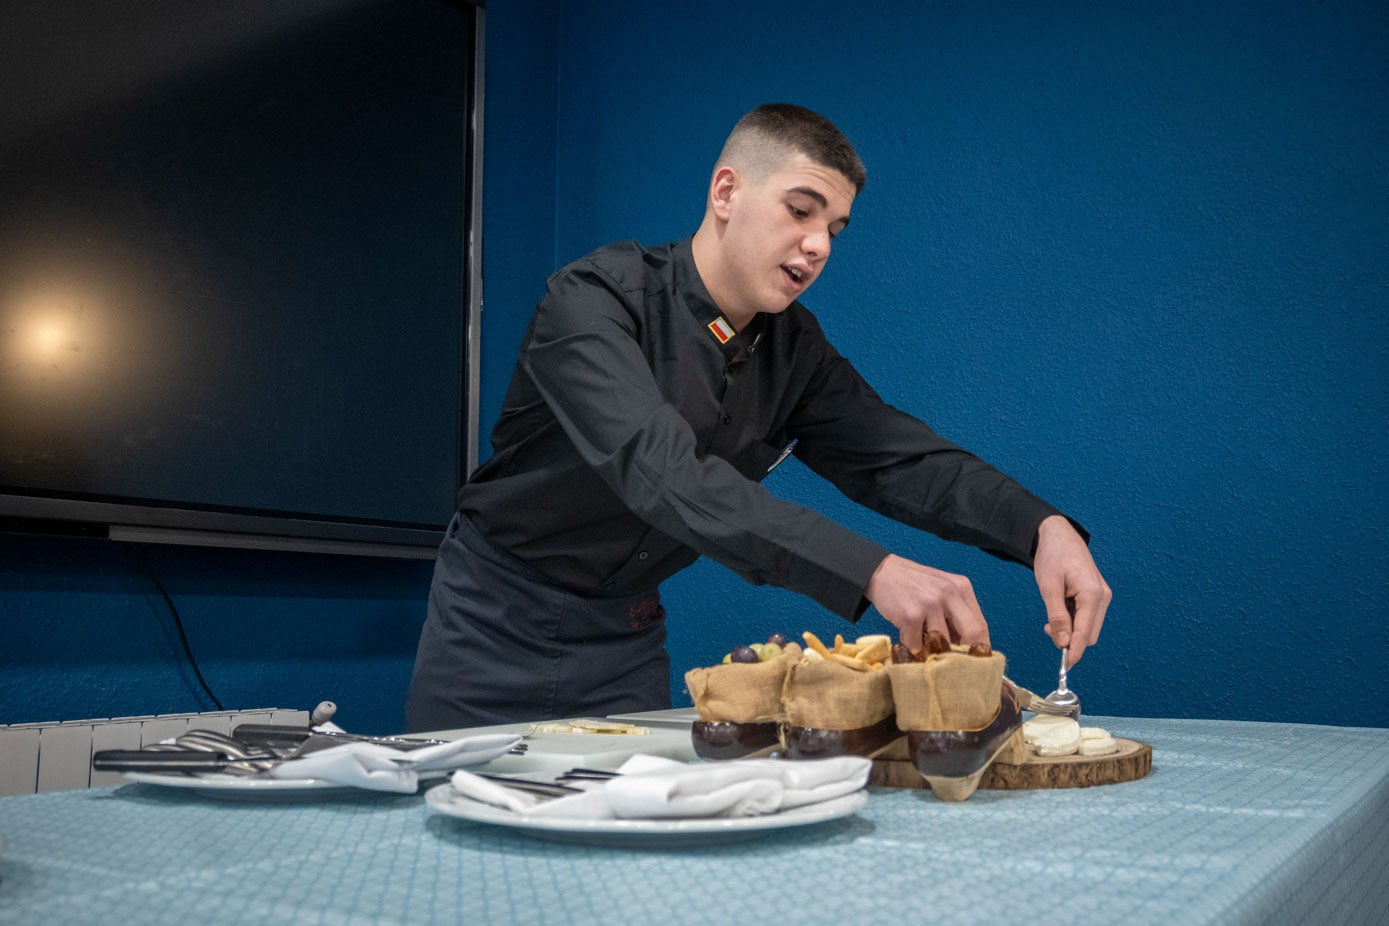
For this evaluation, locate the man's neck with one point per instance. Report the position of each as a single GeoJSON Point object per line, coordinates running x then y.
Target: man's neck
{"type": "Point", "coordinates": [709, 264]}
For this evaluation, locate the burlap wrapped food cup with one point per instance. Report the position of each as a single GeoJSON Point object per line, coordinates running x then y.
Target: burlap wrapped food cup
{"type": "Point", "coordinates": [959, 717]}
{"type": "Point", "coordinates": [832, 710]}
{"type": "Point", "coordinates": [740, 706]}
{"type": "Point", "coordinates": [949, 691]}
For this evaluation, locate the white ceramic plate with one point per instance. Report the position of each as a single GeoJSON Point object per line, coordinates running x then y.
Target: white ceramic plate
{"type": "Point", "coordinates": [640, 833]}
{"type": "Point", "coordinates": [215, 784]}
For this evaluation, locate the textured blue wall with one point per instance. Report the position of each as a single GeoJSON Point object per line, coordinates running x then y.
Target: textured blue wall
{"type": "Point", "coordinates": [1132, 253]}
{"type": "Point", "coordinates": [87, 633]}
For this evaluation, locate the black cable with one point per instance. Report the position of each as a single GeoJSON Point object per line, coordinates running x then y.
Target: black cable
{"type": "Point", "coordinates": [178, 623]}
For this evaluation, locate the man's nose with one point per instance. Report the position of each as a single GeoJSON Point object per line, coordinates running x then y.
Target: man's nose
{"type": "Point", "coordinates": [816, 245]}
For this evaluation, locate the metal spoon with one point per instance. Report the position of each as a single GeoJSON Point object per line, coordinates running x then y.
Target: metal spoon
{"type": "Point", "coordinates": [1065, 701]}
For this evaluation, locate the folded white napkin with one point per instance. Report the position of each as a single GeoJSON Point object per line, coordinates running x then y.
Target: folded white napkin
{"type": "Point", "coordinates": [382, 768]}
{"type": "Point", "coordinates": [650, 787]}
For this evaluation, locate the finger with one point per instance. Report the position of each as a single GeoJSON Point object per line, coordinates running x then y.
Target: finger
{"type": "Point", "coordinates": [910, 632]}
{"type": "Point", "coordinates": [938, 620]}
{"type": "Point", "coordinates": [1058, 616]}
{"type": "Point", "coordinates": [1076, 649]}
{"type": "Point", "coordinates": [976, 612]}
{"type": "Point", "coordinates": [1101, 609]}
{"type": "Point", "coordinates": [1089, 607]}
{"type": "Point", "coordinates": [1079, 637]}
{"type": "Point", "coordinates": [967, 620]}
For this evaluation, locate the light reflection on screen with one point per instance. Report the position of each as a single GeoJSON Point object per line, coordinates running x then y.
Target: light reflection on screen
{"type": "Point", "coordinates": [80, 351]}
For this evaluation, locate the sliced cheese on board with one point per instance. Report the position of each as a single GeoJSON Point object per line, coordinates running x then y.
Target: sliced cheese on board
{"type": "Point", "coordinates": [1096, 741]}
{"type": "Point", "coordinates": [1052, 736]}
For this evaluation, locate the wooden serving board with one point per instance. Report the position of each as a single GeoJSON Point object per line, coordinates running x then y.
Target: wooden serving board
{"type": "Point", "coordinates": [893, 769]}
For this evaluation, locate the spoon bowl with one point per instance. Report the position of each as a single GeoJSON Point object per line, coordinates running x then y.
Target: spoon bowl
{"type": "Point", "coordinates": [1066, 703]}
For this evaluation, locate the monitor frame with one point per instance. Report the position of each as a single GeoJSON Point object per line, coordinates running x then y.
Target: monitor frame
{"type": "Point", "coordinates": [144, 521]}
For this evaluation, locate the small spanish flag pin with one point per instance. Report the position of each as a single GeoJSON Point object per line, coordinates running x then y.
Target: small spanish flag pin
{"type": "Point", "coordinates": [722, 330]}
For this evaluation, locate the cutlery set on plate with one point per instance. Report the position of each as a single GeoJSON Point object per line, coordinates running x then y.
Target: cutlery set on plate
{"type": "Point", "coordinates": [250, 749]}
{"type": "Point", "coordinates": [554, 788]}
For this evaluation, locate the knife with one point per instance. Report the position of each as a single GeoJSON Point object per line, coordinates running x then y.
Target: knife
{"type": "Point", "coordinates": [183, 760]}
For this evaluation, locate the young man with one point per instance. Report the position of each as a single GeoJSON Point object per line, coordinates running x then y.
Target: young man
{"type": "Point", "coordinates": [654, 389]}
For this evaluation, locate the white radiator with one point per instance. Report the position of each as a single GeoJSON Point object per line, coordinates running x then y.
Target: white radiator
{"type": "Point", "coordinates": [57, 756]}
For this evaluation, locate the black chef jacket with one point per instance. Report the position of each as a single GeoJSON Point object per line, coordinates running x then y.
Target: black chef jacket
{"type": "Point", "coordinates": [635, 432]}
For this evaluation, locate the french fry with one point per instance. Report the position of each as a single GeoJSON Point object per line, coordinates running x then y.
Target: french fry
{"type": "Point", "coordinates": [814, 643]}
{"type": "Point", "coordinates": [849, 661]}
{"type": "Point", "coordinates": [867, 653]}
{"type": "Point", "coordinates": [876, 651]}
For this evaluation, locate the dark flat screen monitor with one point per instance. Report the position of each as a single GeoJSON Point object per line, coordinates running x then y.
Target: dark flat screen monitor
{"type": "Point", "coordinates": [239, 270]}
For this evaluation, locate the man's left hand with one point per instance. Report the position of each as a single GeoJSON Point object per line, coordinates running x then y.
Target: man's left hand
{"type": "Point", "coordinates": [1068, 579]}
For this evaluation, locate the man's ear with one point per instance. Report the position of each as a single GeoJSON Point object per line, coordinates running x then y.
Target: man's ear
{"type": "Point", "coordinates": [723, 188]}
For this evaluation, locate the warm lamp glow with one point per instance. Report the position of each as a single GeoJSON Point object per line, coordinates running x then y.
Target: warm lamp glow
{"type": "Point", "coordinates": [48, 338]}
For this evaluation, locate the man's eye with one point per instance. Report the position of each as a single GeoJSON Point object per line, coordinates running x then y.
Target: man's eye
{"type": "Point", "coordinates": [798, 213]}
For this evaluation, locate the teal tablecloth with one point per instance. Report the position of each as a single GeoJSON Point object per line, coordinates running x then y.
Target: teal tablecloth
{"type": "Point", "coordinates": [1238, 823]}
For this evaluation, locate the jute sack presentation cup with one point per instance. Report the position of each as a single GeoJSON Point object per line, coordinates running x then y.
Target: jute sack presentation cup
{"type": "Point", "coordinates": [743, 693]}
{"type": "Point", "coordinates": [832, 709]}
{"type": "Point", "coordinates": [740, 707]}
{"type": "Point", "coordinates": [959, 717]}
{"type": "Point", "coordinates": [949, 691]}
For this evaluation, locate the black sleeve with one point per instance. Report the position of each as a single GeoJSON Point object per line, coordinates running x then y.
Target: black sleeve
{"type": "Point", "coordinates": [586, 362]}
{"type": "Point", "coordinates": [891, 462]}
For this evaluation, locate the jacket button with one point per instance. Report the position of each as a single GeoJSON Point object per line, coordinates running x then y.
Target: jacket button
{"type": "Point", "coordinates": [643, 555]}
{"type": "Point", "coordinates": [727, 419]}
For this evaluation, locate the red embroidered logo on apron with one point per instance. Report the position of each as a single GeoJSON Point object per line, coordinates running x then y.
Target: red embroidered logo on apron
{"type": "Point", "coordinates": [645, 613]}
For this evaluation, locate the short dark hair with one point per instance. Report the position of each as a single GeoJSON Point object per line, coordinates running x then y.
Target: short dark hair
{"type": "Point", "coordinates": [762, 139]}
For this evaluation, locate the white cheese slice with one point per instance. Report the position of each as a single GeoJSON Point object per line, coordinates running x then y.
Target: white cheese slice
{"type": "Point", "coordinates": [1032, 728]}
{"type": "Point", "coordinates": [1053, 736]}
{"type": "Point", "coordinates": [1096, 741]}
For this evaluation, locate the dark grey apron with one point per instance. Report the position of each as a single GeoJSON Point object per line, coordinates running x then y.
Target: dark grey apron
{"type": "Point", "coordinates": [501, 645]}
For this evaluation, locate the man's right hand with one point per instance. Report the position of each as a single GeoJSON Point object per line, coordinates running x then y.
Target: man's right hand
{"type": "Point", "coordinates": [916, 598]}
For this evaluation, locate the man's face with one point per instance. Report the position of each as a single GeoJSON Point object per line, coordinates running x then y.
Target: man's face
{"type": "Point", "coordinates": [779, 231]}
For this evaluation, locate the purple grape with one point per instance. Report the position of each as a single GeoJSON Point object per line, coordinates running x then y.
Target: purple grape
{"type": "Point", "coordinates": [778, 638]}
{"type": "Point", "coordinates": [743, 654]}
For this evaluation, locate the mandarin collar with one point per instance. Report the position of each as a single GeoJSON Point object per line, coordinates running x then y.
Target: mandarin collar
{"type": "Point", "coordinates": [706, 312]}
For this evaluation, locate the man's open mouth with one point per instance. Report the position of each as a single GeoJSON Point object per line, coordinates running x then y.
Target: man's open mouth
{"type": "Point", "coordinates": [795, 274]}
